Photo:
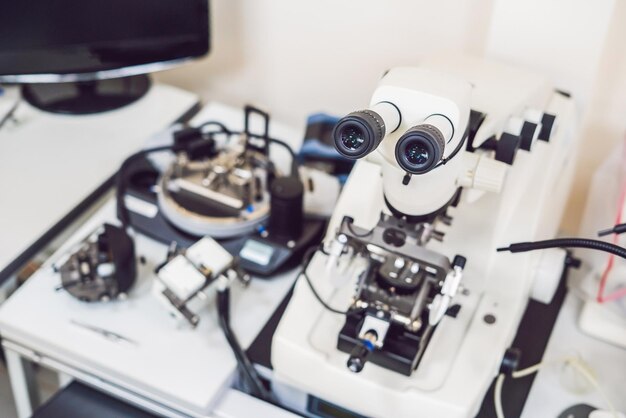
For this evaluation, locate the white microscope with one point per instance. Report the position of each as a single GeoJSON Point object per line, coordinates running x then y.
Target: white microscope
{"type": "Point", "coordinates": [407, 310]}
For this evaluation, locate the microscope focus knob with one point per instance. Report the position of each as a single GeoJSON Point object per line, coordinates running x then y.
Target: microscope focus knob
{"type": "Point", "coordinates": [358, 356]}
{"type": "Point", "coordinates": [459, 261]}
{"type": "Point", "coordinates": [484, 173]}
{"type": "Point", "coordinates": [489, 175]}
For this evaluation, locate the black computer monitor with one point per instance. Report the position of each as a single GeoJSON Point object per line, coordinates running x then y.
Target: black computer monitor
{"type": "Point", "coordinates": [86, 56]}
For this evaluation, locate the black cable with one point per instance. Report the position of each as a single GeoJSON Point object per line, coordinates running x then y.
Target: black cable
{"type": "Point", "coordinates": [349, 225]}
{"type": "Point", "coordinates": [617, 229]}
{"type": "Point", "coordinates": [566, 243]}
{"type": "Point", "coordinates": [122, 210]}
{"type": "Point", "coordinates": [287, 147]}
{"type": "Point", "coordinates": [10, 115]}
{"type": "Point", "coordinates": [319, 298]}
{"type": "Point", "coordinates": [305, 261]}
{"type": "Point", "coordinates": [294, 158]}
{"type": "Point", "coordinates": [220, 125]}
{"type": "Point", "coordinates": [458, 148]}
{"type": "Point", "coordinates": [246, 367]}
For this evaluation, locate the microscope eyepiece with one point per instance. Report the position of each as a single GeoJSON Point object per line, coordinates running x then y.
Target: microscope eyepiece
{"type": "Point", "coordinates": [359, 133]}
{"type": "Point", "coordinates": [420, 149]}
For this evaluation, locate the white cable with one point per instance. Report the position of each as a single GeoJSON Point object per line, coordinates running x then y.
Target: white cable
{"type": "Point", "coordinates": [497, 395]}
{"type": "Point", "coordinates": [528, 371]}
{"type": "Point", "coordinates": [579, 366]}
{"type": "Point", "coordinates": [583, 369]}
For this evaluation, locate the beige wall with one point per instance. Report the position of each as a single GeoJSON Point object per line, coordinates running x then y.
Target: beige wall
{"type": "Point", "coordinates": [604, 123]}
{"type": "Point", "coordinates": [296, 57]}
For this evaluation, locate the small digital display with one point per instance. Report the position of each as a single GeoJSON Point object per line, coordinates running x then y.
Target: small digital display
{"type": "Point", "coordinates": [257, 252]}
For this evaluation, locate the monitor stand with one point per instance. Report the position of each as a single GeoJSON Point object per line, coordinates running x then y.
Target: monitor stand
{"type": "Point", "coordinates": [86, 97]}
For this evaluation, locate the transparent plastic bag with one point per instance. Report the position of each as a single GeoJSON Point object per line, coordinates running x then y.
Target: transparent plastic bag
{"type": "Point", "coordinates": [603, 277]}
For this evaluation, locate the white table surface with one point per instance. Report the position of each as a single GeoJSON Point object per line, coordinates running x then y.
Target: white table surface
{"type": "Point", "coordinates": [179, 367]}
{"type": "Point", "coordinates": [548, 396]}
{"type": "Point", "coordinates": [50, 163]}
{"type": "Point", "coordinates": [184, 370]}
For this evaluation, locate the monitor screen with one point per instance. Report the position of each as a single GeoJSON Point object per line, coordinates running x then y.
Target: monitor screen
{"type": "Point", "coordinates": [60, 37]}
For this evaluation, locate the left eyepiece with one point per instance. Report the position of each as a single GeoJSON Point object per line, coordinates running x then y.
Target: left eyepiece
{"type": "Point", "coordinates": [359, 133]}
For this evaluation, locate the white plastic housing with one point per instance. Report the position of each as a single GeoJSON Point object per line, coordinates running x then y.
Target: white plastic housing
{"type": "Point", "coordinates": [600, 322]}
{"type": "Point", "coordinates": [389, 114]}
{"type": "Point", "coordinates": [548, 273]}
{"type": "Point", "coordinates": [321, 191]}
{"type": "Point", "coordinates": [420, 94]}
{"type": "Point", "coordinates": [483, 173]}
{"type": "Point", "coordinates": [208, 253]}
{"type": "Point", "coordinates": [183, 275]}
{"type": "Point", "coordinates": [465, 353]}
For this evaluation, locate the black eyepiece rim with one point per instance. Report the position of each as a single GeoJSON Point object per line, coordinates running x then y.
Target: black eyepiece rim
{"type": "Point", "coordinates": [426, 135]}
{"type": "Point", "coordinates": [367, 121]}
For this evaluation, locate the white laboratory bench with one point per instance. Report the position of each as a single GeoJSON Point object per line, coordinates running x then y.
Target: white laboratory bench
{"type": "Point", "coordinates": [551, 392]}
{"type": "Point", "coordinates": [157, 364]}
{"type": "Point", "coordinates": [50, 163]}
{"type": "Point", "coordinates": [164, 368]}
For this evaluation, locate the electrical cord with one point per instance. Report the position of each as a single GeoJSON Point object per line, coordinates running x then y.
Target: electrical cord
{"type": "Point", "coordinates": [220, 125]}
{"type": "Point", "coordinates": [566, 243]}
{"type": "Point", "coordinates": [350, 227]}
{"type": "Point", "coordinates": [319, 298]}
{"type": "Point", "coordinates": [579, 366]}
{"type": "Point", "coordinates": [10, 115]}
{"type": "Point", "coordinates": [610, 248]}
{"type": "Point", "coordinates": [122, 210]}
{"type": "Point", "coordinates": [617, 229]}
{"type": "Point", "coordinates": [249, 373]}
{"type": "Point", "coordinates": [305, 261]}
{"type": "Point", "coordinates": [497, 396]}
{"type": "Point", "coordinates": [458, 148]}
{"type": "Point", "coordinates": [294, 157]}
{"type": "Point", "coordinates": [287, 147]}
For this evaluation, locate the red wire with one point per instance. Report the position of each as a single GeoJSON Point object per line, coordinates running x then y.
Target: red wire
{"type": "Point", "coordinates": [601, 297]}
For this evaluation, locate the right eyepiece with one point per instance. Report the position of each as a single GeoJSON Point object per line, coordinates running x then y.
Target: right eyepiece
{"type": "Point", "coordinates": [420, 149]}
{"type": "Point", "coordinates": [358, 133]}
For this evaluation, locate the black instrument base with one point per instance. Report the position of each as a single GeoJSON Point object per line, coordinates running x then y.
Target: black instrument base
{"type": "Point", "coordinates": [286, 253]}
{"type": "Point", "coordinates": [400, 352]}
{"type": "Point", "coordinates": [86, 97]}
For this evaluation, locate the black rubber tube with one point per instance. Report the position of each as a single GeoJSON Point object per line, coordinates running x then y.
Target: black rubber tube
{"type": "Point", "coordinates": [245, 365]}
{"type": "Point", "coordinates": [567, 243]}
{"type": "Point", "coordinates": [617, 229]}
{"type": "Point", "coordinates": [122, 210]}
